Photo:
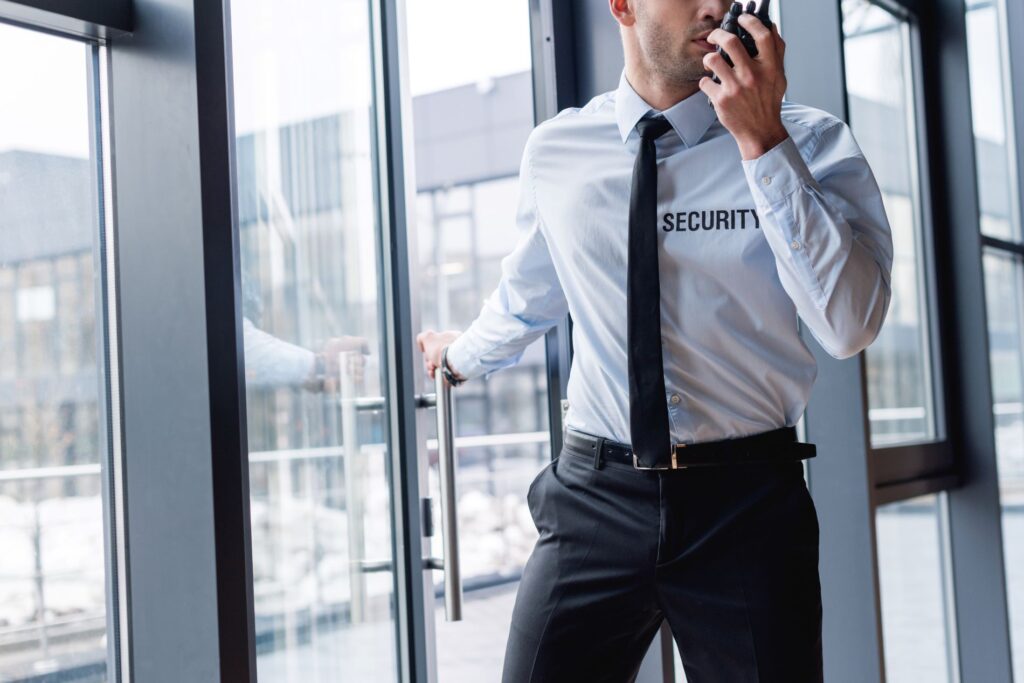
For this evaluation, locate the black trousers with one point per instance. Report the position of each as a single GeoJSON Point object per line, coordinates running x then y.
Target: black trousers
{"type": "Point", "coordinates": [728, 555]}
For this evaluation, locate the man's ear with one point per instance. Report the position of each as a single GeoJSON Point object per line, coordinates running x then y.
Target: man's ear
{"type": "Point", "coordinates": [622, 10]}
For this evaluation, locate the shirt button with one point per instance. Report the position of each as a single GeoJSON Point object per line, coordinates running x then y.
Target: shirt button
{"type": "Point", "coordinates": [767, 180]}
{"type": "Point", "coordinates": [795, 244]}
{"type": "Point", "coordinates": [675, 398]}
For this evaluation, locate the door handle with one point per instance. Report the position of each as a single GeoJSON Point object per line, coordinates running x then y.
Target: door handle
{"type": "Point", "coordinates": [449, 563]}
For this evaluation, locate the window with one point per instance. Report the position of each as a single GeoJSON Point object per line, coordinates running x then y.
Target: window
{"type": "Point", "coordinates": [989, 113]}
{"type": "Point", "coordinates": [54, 455]}
{"type": "Point", "coordinates": [913, 578]}
{"type": "Point", "coordinates": [880, 89]}
{"type": "Point", "coordinates": [1003, 262]}
{"type": "Point", "coordinates": [903, 365]}
{"type": "Point", "coordinates": [1004, 294]}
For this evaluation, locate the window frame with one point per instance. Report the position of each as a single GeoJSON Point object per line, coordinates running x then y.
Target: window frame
{"type": "Point", "coordinates": [906, 470]}
{"type": "Point", "coordinates": [970, 515]}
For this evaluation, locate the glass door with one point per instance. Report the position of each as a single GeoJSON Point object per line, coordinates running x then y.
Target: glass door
{"type": "Point", "coordinates": [315, 340]}
{"type": "Point", "coordinates": [470, 95]}
{"type": "Point", "coordinates": [332, 502]}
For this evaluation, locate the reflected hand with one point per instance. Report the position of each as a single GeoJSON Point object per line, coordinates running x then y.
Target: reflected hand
{"type": "Point", "coordinates": [332, 351]}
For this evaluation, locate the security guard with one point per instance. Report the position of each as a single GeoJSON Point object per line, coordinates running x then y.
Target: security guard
{"type": "Point", "coordinates": [684, 225]}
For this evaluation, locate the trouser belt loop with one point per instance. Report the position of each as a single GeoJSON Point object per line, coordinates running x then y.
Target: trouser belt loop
{"type": "Point", "coordinates": [597, 453]}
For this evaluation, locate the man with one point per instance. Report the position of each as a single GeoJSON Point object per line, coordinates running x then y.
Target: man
{"type": "Point", "coordinates": [763, 211]}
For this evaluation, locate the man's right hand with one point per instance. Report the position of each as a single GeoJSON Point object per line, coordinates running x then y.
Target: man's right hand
{"type": "Point", "coordinates": [431, 343]}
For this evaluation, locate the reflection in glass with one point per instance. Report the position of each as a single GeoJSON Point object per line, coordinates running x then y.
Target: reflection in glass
{"type": "Point", "coordinates": [879, 84]}
{"type": "Point", "coordinates": [53, 449]}
{"type": "Point", "coordinates": [312, 331]}
{"type": "Point", "coordinates": [917, 622]}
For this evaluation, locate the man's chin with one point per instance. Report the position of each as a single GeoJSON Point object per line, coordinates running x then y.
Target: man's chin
{"type": "Point", "coordinates": [693, 73]}
{"type": "Point", "coordinates": [685, 70]}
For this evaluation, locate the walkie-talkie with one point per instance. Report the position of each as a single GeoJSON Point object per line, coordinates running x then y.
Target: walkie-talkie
{"type": "Point", "coordinates": [731, 24]}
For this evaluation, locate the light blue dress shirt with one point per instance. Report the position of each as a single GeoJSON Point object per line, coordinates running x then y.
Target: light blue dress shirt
{"type": "Point", "coordinates": [746, 247]}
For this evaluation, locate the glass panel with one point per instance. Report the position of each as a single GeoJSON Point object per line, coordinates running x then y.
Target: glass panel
{"type": "Point", "coordinates": [53, 450]}
{"type": "Point", "coordinates": [1004, 284]}
{"type": "Point", "coordinates": [912, 573]}
{"type": "Point", "coordinates": [472, 118]}
{"type": "Point", "coordinates": [314, 340]}
{"type": "Point", "coordinates": [879, 83]}
{"type": "Point", "coordinates": [989, 113]}
{"type": "Point", "coordinates": [1004, 293]}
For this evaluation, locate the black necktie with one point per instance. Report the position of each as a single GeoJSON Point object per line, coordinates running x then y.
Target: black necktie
{"type": "Point", "coordinates": [648, 414]}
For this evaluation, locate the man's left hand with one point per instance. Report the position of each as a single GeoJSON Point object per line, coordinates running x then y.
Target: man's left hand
{"type": "Point", "coordinates": [749, 99]}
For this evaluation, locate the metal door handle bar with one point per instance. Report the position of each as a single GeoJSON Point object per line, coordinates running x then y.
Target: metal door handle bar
{"type": "Point", "coordinates": [449, 510]}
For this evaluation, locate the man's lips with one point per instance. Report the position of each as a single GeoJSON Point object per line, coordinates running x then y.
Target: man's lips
{"type": "Point", "coordinates": [702, 42]}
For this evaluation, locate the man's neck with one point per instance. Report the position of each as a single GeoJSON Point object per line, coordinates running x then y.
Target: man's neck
{"type": "Point", "coordinates": [657, 92]}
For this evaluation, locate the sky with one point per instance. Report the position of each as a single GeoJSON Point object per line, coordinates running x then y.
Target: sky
{"type": "Point", "coordinates": [469, 41]}
{"type": "Point", "coordinates": [43, 99]}
{"type": "Point", "coordinates": [43, 93]}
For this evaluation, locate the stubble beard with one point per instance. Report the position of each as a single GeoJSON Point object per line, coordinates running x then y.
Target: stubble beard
{"type": "Point", "coordinates": [669, 58]}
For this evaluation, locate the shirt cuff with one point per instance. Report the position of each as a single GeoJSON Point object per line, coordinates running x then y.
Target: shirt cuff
{"type": "Point", "coordinates": [463, 360]}
{"type": "Point", "coordinates": [776, 174]}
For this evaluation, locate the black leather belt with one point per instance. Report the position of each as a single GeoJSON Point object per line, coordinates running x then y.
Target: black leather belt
{"type": "Point", "coordinates": [771, 446]}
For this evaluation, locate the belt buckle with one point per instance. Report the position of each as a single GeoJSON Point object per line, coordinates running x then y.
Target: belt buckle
{"type": "Point", "coordinates": [673, 462]}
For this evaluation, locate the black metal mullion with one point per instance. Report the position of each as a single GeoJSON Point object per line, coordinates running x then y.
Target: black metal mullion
{"type": "Point", "coordinates": [912, 488]}
{"type": "Point", "coordinates": [938, 352]}
{"type": "Point", "coordinates": [901, 463]}
{"type": "Point", "coordinates": [230, 453]}
{"type": "Point", "coordinates": [1003, 245]}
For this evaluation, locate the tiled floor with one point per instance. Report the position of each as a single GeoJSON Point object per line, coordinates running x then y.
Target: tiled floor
{"type": "Point", "coordinates": [472, 650]}
{"type": "Point", "coordinates": [469, 651]}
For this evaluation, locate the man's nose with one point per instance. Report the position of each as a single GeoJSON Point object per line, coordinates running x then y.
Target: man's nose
{"type": "Point", "coordinates": [713, 10]}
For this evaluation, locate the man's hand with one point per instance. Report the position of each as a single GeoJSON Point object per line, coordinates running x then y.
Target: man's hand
{"type": "Point", "coordinates": [749, 99]}
{"type": "Point", "coordinates": [431, 343]}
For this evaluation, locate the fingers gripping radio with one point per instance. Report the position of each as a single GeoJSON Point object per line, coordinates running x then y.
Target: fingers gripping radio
{"type": "Point", "coordinates": [731, 24]}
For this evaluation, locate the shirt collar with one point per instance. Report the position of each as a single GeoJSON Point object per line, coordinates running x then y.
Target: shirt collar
{"type": "Point", "coordinates": [690, 117]}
